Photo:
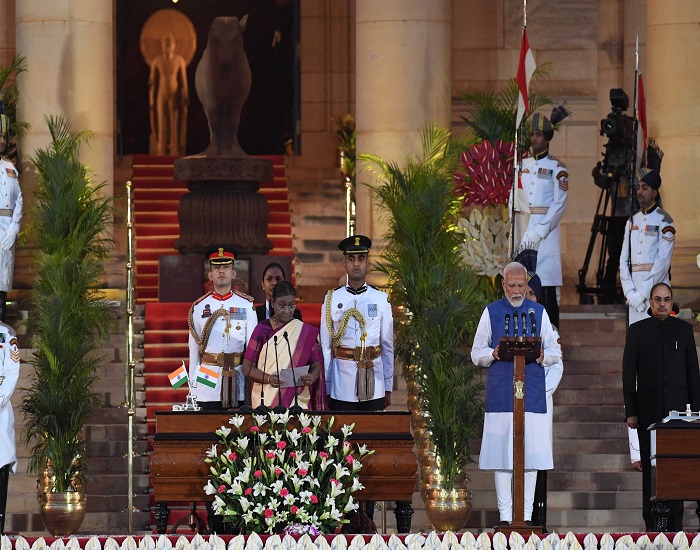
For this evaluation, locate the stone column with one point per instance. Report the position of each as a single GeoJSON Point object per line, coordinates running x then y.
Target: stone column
{"type": "Point", "coordinates": [403, 84]}
{"type": "Point", "coordinates": [68, 45]}
{"type": "Point", "coordinates": [673, 42]}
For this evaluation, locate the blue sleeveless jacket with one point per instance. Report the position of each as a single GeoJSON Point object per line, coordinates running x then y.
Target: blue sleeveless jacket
{"type": "Point", "coordinates": [499, 379]}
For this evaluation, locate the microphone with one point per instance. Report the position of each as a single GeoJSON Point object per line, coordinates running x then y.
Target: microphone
{"type": "Point", "coordinates": [524, 320]}
{"type": "Point", "coordinates": [531, 313]}
{"type": "Point", "coordinates": [507, 324]}
{"type": "Point", "coordinates": [515, 323]}
{"type": "Point", "coordinates": [246, 408]}
{"type": "Point", "coordinates": [296, 409]}
{"type": "Point", "coordinates": [280, 408]}
{"type": "Point", "coordinates": [262, 409]}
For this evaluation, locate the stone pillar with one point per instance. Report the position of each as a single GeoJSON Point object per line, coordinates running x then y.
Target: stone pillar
{"type": "Point", "coordinates": [403, 84]}
{"type": "Point", "coordinates": [671, 82]}
{"type": "Point", "coordinates": [68, 45]}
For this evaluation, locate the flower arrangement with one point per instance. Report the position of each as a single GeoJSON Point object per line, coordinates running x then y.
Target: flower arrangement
{"type": "Point", "coordinates": [275, 474]}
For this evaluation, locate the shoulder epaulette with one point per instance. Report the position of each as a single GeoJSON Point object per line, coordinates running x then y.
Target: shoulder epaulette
{"type": "Point", "coordinates": [243, 295]}
{"type": "Point", "coordinates": [665, 216]}
{"type": "Point", "coordinates": [201, 298]}
{"type": "Point", "coordinates": [379, 290]}
{"type": "Point", "coordinates": [560, 164]}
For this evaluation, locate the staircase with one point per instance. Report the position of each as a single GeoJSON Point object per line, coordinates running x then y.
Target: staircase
{"type": "Point", "coordinates": [156, 197]}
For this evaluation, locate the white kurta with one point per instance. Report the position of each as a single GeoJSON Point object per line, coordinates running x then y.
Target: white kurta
{"type": "Point", "coordinates": [653, 238]}
{"type": "Point", "coordinates": [497, 440]}
{"type": "Point", "coordinates": [10, 219]}
{"type": "Point", "coordinates": [545, 186]}
{"type": "Point", "coordinates": [341, 374]}
{"type": "Point", "coordinates": [9, 373]}
{"type": "Point", "coordinates": [243, 321]}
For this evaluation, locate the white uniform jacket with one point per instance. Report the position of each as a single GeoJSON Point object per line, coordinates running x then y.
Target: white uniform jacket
{"type": "Point", "coordinates": [497, 441]}
{"type": "Point", "coordinates": [10, 219]}
{"type": "Point", "coordinates": [229, 334]}
{"type": "Point", "coordinates": [545, 185]}
{"type": "Point", "coordinates": [9, 373]}
{"type": "Point", "coordinates": [341, 374]}
{"type": "Point", "coordinates": [653, 238]}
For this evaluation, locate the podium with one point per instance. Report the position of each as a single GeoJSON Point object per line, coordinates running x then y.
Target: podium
{"type": "Point", "coordinates": [520, 350]}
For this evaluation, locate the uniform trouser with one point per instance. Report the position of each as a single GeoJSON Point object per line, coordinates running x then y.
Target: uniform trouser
{"type": "Point", "coordinates": [372, 405]}
{"type": "Point", "coordinates": [675, 519]}
{"type": "Point", "coordinates": [550, 303]}
{"type": "Point", "coordinates": [3, 306]}
{"type": "Point", "coordinates": [4, 479]}
{"type": "Point", "coordinates": [504, 493]}
{"type": "Point", "coordinates": [539, 510]}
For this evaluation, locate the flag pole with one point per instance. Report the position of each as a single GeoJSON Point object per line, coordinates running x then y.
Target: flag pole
{"type": "Point", "coordinates": [633, 159]}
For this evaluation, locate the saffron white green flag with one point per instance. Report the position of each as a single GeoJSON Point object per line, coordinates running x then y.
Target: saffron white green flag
{"type": "Point", "coordinates": [178, 377]}
{"type": "Point", "coordinates": [206, 376]}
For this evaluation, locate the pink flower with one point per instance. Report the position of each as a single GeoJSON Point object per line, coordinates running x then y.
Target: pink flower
{"type": "Point", "coordinates": [278, 471]}
{"type": "Point", "coordinates": [254, 429]}
{"type": "Point", "coordinates": [269, 513]}
{"type": "Point", "coordinates": [303, 471]}
{"type": "Point", "coordinates": [306, 430]}
{"type": "Point", "coordinates": [294, 509]}
{"type": "Point", "coordinates": [293, 454]}
{"type": "Point", "coordinates": [248, 491]}
{"type": "Point", "coordinates": [350, 459]}
{"type": "Point", "coordinates": [284, 492]}
{"type": "Point", "coordinates": [323, 454]}
{"type": "Point", "coordinates": [347, 444]}
{"type": "Point", "coordinates": [314, 499]}
{"type": "Point", "coordinates": [257, 473]}
{"type": "Point", "coordinates": [232, 456]}
{"type": "Point", "coordinates": [281, 444]}
{"type": "Point", "coordinates": [269, 454]}
{"type": "Point", "coordinates": [222, 488]}
{"type": "Point", "coordinates": [334, 481]}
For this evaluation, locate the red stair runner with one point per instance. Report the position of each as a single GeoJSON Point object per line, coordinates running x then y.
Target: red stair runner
{"type": "Point", "coordinates": [156, 196]}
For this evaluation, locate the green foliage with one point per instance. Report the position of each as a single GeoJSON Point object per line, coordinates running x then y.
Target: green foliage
{"type": "Point", "coordinates": [491, 116]}
{"type": "Point", "coordinates": [9, 93]}
{"type": "Point", "coordinates": [440, 297]}
{"type": "Point", "coordinates": [69, 318]}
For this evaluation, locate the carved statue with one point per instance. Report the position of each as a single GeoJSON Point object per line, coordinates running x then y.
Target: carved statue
{"type": "Point", "coordinates": [223, 82]}
{"type": "Point", "coordinates": [168, 99]}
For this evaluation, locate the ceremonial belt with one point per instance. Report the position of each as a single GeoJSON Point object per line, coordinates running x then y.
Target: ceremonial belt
{"type": "Point", "coordinates": [539, 210]}
{"type": "Point", "coordinates": [642, 267]}
{"type": "Point", "coordinates": [7, 212]}
{"type": "Point", "coordinates": [227, 361]}
{"type": "Point", "coordinates": [355, 354]}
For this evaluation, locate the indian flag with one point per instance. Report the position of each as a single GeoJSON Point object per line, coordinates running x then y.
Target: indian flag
{"type": "Point", "coordinates": [208, 377]}
{"type": "Point", "coordinates": [178, 377]}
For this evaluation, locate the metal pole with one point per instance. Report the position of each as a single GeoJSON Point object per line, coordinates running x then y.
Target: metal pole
{"type": "Point", "coordinates": [129, 355]}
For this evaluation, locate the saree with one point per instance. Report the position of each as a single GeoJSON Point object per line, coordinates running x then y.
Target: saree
{"type": "Point", "coordinates": [304, 349]}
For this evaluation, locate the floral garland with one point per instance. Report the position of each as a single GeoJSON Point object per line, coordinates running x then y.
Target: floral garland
{"type": "Point", "coordinates": [284, 474]}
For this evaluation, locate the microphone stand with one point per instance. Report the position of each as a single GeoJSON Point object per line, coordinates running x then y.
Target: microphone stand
{"type": "Point", "coordinates": [246, 408]}
{"type": "Point", "coordinates": [280, 408]}
{"type": "Point", "coordinates": [524, 321]}
{"type": "Point", "coordinates": [262, 409]}
{"type": "Point", "coordinates": [296, 409]}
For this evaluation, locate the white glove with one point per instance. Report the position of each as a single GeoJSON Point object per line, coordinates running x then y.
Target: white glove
{"type": "Point", "coordinates": [635, 300]}
{"type": "Point", "coordinates": [642, 307]}
{"type": "Point", "coordinates": [8, 239]}
{"type": "Point", "coordinates": [531, 238]}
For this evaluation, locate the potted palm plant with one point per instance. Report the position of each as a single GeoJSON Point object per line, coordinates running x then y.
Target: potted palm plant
{"type": "Point", "coordinates": [69, 319]}
{"type": "Point", "coordinates": [439, 302]}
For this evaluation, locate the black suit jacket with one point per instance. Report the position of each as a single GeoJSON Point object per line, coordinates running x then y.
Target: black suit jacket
{"type": "Point", "coordinates": [260, 311]}
{"type": "Point", "coordinates": [660, 369]}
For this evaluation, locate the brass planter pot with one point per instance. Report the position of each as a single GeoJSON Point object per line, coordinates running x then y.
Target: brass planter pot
{"type": "Point", "coordinates": [62, 513]}
{"type": "Point", "coordinates": [448, 510]}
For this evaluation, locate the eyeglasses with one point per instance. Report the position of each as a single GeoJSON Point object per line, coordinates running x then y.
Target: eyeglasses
{"type": "Point", "coordinates": [659, 299]}
{"type": "Point", "coordinates": [288, 308]}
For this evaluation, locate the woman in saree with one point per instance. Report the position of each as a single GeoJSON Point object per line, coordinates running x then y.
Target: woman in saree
{"type": "Point", "coordinates": [297, 345]}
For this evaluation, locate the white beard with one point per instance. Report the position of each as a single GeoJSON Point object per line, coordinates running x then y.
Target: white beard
{"type": "Point", "coordinates": [516, 303]}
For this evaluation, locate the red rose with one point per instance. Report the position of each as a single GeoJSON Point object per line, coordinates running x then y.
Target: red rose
{"type": "Point", "coordinates": [270, 454]}
{"type": "Point", "coordinates": [293, 454]}
{"type": "Point", "coordinates": [269, 513]}
{"type": "Point", "coordinates": [248, 491]}
{"type": "Point", "coordinates": [281, 444]}
{"type": "Point", "coordinates": [284, 492]}
{"type": "Point", "coordinates": [306, 430]}
{"type": "Point", "coordinates": [278, 471]}
{"type": "Point", "coordinates": [350, 459]}
{"type": "Point", "coordinates": [314, 499]}
{"type": "Point", "coordinates": [303, 472]}
{"type": "Point", "coordinates": [334, 481]}
{"type": "Point", "coordinates": [232, 456]}
{"type": "Point", "coordinates": [222, 488]}
{"type": "Point", "coordinates": [254, 429]}
{"type": "Point", "coordinates": [323, 454]}
{"type": "Point", "coordinates": [257, 473]}
{"type": "Point", "coordinates": [294, 509]}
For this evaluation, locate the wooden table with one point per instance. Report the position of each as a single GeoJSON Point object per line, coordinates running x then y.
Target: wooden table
{"type": "Point", "coordinates": [182, 439]}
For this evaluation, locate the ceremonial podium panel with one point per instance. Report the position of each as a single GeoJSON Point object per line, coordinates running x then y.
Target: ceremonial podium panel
{"type": "Point", "coordinates": [675, 470]}
{"type": "Point", "coordinates": [183, 438]}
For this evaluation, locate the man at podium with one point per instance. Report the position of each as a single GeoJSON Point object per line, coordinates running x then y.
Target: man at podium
{"type": "Point", "coordinates": [514, 315]}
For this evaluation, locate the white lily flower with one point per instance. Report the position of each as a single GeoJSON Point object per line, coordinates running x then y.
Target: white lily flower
{"type": "Point", "coordinates": [284, 417]}
{"type": "Point", "coordinates": [294, 436]}
{"type": "Point", "coordinates": [211, 453]}
{"type": "Point", "coordinates": [347, 430]}
{"type": "Point", "coordinates": [351, 505]}
{"type": "Point", "coordinates": [304, 420]}
{"type": "Point", "coordinates": [263, 437]}
{"type": "Point", "coordinates": [259, 489]}
{"type": "Point", "coordinates": [356, 485]}
{"type": "Point", "coordinates": [261, 419]}
{"type": "Point", "coordinates": [209, 489]}
{"type": "Point", "coordinates": [237, 421]}
{"type": "Point", "coordinates": [331, 443]}
{"type": "Point", "coordinates": [245, 504]}
{"type": "Point", "coordinates": [242, 443]}
{"type": "Point", "coordinates": [236, 488]}
{"type": "Point", "coordinates": [226, 476]}
{"type": "Point", "coordinates": [313, 438]}
{"type": "Point", "coordinates": [223, 431]}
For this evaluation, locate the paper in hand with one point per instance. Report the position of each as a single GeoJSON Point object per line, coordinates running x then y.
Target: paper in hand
{"type": "Point", "coordinates": [286, 376]}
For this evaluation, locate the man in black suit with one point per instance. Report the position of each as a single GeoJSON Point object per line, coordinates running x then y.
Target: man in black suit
{"type": "Point", "coordinates": [272, 274]}
{"type": "Point", "coordinates": [659, 374]}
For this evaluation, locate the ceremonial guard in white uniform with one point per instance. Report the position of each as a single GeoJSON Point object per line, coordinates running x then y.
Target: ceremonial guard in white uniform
{"type": "Point", "coordinates": [10, 216]}
{"type": "Point", "coordinates": [650, 238]}
{"type": "Point", "coordinates": [545, 185]}
{"type": "Point", "coordinates": [497, 441]}
{"type": "Point", "coordinates": [357, 336]}
{"type": "Point", "coordinates": [221, 323]}
{"type": "Point", "coordinates": [9, 373]}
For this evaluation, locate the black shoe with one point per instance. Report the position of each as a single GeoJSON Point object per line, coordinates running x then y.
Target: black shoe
{"type": "Point", "coordinates": [503, 523]}
{"type": "Point", "coordinates": [529, 523]}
